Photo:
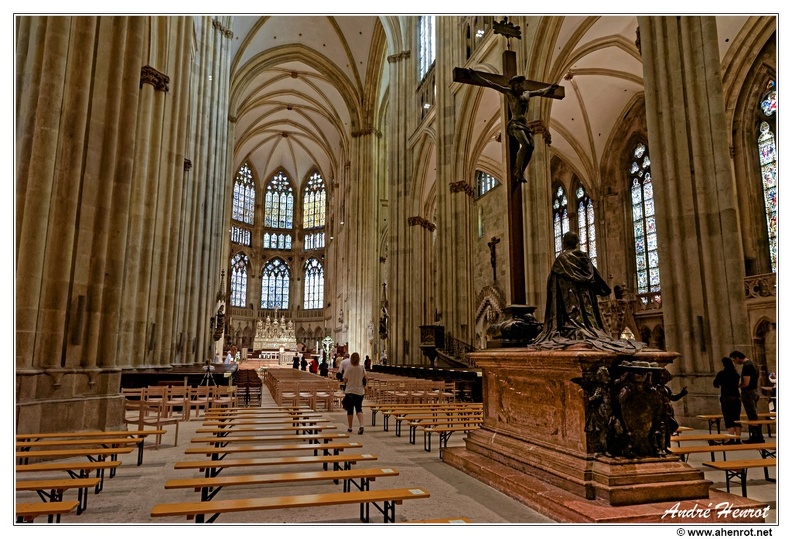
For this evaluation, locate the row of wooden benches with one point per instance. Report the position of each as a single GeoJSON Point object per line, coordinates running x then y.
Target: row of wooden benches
{"type": "Point", "coordinates": [723, 443]}
{"type": "Point", "coordinates": [96, 446]}
{"type": "Point", "coordinates": [231, 432]}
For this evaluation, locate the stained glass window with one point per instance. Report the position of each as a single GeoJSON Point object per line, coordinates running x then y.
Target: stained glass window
{"type": "Point", "coordinates": [238, 280]}
{"type": "Point", "coordinates": [560, 218]}
{"type": "Point", "coordinates": [647, 260]}
{"type": "Point", "coordinates": [277, 241]}
{"type": "Point", "coordinates": [244, 196]}
{"type": "Point", "coordinates": [240, 235]}
{"type": "Point", "coordinates": [314, 284]}
{"type": "Point", "coordinates": [275, 285]}
{"type": "Point", "coordinates": [485, 182]}
{"type": "Point", "coordinates": [585, 219]}
{"type": "Point", "coordinates": [768, 166]}
{"type": "Point", "coordinates": [279, 203]}
{"type": "Point", "coordinates": [314, 240]}
{"type": "Point", "coordinates": [426, 44]}
{"type": "Point", "coordinates": [314, 202]}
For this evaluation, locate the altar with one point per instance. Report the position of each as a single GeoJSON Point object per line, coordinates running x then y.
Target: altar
{"type": "Point", "coordinates": [275, 338]}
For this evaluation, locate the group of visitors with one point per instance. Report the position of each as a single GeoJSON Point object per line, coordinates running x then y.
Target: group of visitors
{"type": "Point", "coordinates": [737, 391]}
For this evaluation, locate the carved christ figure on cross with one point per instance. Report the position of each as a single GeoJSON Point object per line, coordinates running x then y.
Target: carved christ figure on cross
{"type": "Point", "coordinates": [517, 95]}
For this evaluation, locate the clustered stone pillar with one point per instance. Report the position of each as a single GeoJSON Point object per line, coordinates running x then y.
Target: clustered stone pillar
{"type": "Point", "coordinates": [402, 111]}
{"type": "Point", "coordinates": [701, 274]}
{"type": "Point", "coordinates": [454, 199]}
{"type": "Point", "coordinates": [102, 130]}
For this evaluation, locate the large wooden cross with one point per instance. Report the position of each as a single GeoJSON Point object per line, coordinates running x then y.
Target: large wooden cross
{"type": "Point", "coordinates": [513, 189]}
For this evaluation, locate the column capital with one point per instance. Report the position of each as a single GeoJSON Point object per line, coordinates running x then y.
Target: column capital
{"type": "Point", "coordinates": [461, 187]}
{"type": "Point", "coordinates": [423, 223]}
{"type": "Point", "coordinates": [403, 55]}
{"type": "Point", "coordinates": [217, 25]}
{"type": "Point", "coordinates": [159, 80]}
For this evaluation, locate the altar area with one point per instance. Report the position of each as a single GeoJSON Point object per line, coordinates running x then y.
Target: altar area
{"type": "Point", "coordinates": [274, 341]}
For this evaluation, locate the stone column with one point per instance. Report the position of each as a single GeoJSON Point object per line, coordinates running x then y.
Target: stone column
{"type": "Point", "coordinates": [361, 238]}
{"type": "Point", "coordinates": [402, 112]}
{"type": "Point", "coordinates": [701, 258]}
{"type": "Point", "coordinates": [77, 77]}
{"type": "Point", "coordinates": [454, 194]}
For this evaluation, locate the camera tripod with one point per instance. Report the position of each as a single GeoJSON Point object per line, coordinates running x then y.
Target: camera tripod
{"type": "Point", "coordinates": [208, 379]}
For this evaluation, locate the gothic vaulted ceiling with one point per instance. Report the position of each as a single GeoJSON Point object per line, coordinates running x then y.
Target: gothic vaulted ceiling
{"type": "Point", "coordinates": [298, 84]}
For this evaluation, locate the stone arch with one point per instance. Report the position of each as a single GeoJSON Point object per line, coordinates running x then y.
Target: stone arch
{"type": "Point", "coordinates": [764, 349]}
{"type": "Point", "coordinates": [658, 337]}
{"type": "Point", "coordinates": [489, 310]}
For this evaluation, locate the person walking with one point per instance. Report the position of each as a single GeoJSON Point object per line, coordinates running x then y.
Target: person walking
{"type": "Point", "coordinates": [749, 393]}
{"type": "Point", "coordinates": [354, 390]}
{"type": "Point", "coordinates": [728, 380]}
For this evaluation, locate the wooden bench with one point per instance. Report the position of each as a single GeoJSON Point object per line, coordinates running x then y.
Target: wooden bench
{"type": "Point", "coordinates": [294, 422]}
{"type": "Point", "coordinates": [475, 418]}
{"type": "Point", "coordinates": [453, 520]}
{"type": "Point", "coordinates": [712, 439]}
{"type": "Point", "coordinates": [75, 470]}
{"type": "Point", "coordinates": [388, 498]}
{"type": "Point", "coordinates": [210, 486]}
{"type": "Point", "coordinates": [27, 512]}
{"type": "Point", "coordinates": [25, 441]}
{"type": "Point", "coordinates": [222, 441]}
{"type": "Point", "coordinates": [51, 490]}
{"type": "Point", "coordinates": [415, 407]}
{"type": "Point", "coordinates": [213, 467]}
{"type": "Point", "coordinates": [220, 453]}
{"type": "Point", "coordinates": [739, 468]}
{"type": "Point", "coordinates": [432, 414]}
{"type": "Point", "coordinates": [98, 454]}
{"type": "Point", "coordinates": [767, 449]}
{"type": "Point", "coordinates": [759, 422]}
{"type": "Point", "coordinates": [444, 432]}
{"type": "Point", "coordinates": [427, 409]}
{"type": "Point", "coordinates": [305, 429]}
{"type": "Point", "coordinates": [715, 419]}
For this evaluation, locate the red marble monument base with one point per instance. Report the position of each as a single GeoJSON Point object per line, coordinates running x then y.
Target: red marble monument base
{"type": "Point", "coordinates": [532, 444]}
{"type": "Point", "coordinates": [563, 506]}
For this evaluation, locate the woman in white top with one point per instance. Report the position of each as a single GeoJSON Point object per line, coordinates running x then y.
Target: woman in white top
{"type": "Point", "coordinates": [355, 382]}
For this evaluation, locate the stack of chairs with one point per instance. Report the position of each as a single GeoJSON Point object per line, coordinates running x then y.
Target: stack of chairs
{"type": "Point", "coordinates": [249, 387]}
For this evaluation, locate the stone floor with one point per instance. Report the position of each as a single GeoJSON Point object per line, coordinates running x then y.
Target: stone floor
{"type": "Point", "coordinates": [129, 497]}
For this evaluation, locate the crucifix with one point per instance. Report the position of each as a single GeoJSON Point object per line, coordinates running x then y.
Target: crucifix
{"type": "Point", "coordinates": [493, 260]}
{"type": "Point", "coordinates": [517, 91]}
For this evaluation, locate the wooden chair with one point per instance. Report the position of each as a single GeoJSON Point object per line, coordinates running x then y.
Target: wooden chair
{"type": "Point", "coordinates": [178, 397]}
{"type": "Point", "coordinates": [225, 397]}
{"type": "Point", "coordinates": [144, 414]}
{"type": "Point", "coordinates": [323, 396]}
{"type": "Point", "coordinates": [156, 393]}
{"type": "Point", "coordinates": [200, 399]}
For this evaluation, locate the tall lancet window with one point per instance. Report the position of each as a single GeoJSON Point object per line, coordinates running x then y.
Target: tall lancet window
{"type": "Point", "coordinates": [238, 280]}
{"type": "Point", "coordinates": [647, 259]}
{"type": "Point", "coordinates": [279, 203]}
{"type": "Point", "coordinates": [275, 285]}
{"type": "Point", "coordinates": [768, 164]}
{"type": "Point", "coordinates": [314, 202]}
{"type": "Point", "coordinates": [244, 196]}
{"type": "Point", "coordinates": [314, 284]}
{"type": "Point", "coordinates": [560, 217]}
{"type": "Point", "coordinates": [426, 44]}
{"type": "Point", "coordinates": [585, 220]}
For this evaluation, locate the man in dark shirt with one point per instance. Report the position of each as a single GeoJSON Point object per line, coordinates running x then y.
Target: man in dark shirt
{"type": "Point", "coordinates": [749, 393]}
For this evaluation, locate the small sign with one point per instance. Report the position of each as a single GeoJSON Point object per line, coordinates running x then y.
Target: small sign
{"type": "Point", "coordinates": [416, 491]}
{"type": "Point", "coordinates": [387, 470]}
